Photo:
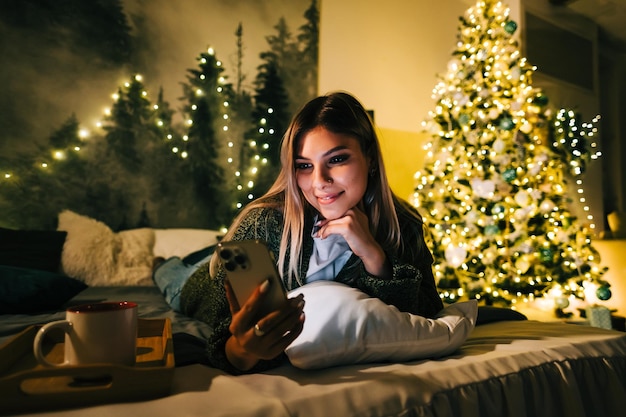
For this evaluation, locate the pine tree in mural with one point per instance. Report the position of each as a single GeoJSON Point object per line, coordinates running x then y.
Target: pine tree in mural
{"type": "Point", "coordinates": [494, 187]}
{"type": "Point", "coordinates": [167, 199]}
{"type": "Point", "coordinates": [286, 80]}
{"type": "Point", "coordinates": [120, 179]}
{"type": "Point", "coordinates": [127, 126]}
{"type": "Point", "coordinates": [212, 168]}
{"type": "Point", "coordinates": [304, 87]}
{"type": "Point", "coordinates": [241, 123]}
{"type": "Point", "coordinates": [270, 118]}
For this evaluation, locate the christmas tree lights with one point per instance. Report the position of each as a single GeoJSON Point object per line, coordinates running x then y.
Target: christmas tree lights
{"type": "Point", "coordinates": [493, 190]}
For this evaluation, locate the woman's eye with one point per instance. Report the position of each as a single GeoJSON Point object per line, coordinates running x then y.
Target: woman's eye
{"type": "Point", "coordinates": [338, 159]}
{"type": "Point", "coordinates": [302, 165]}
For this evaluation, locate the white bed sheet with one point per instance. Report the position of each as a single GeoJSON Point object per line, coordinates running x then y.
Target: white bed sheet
{"type": "Point", "coordinates": [522, 368]}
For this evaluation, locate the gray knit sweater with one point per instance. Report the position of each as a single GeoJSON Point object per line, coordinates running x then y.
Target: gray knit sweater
{"type": "Point", "coordinates": [411, 288]}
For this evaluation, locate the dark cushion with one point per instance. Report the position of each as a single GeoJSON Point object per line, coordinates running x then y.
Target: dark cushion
{"type": "Point", "coordinates": [35, 249]}
{"type": "Point", "coordinates": [490, 314]}
{"type": "Point", "coordinates": [27, 291]}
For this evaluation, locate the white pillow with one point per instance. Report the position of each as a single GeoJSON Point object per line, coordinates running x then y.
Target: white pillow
{"type": "Point", "coordinates": [182, 242]}
{"type": "Point", "coordinates": [345, 326]}
{"type": "Point", "coordinates": [96, 255]}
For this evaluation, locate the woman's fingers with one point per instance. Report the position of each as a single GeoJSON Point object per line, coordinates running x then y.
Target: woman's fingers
{"type": "Point", "coordinates": [267, 337]}
{"type": "Point", "coordinates": [277, 331]}
{"type": "Point", "coordinates": [281, 321]}
{"type": "Point", "coordinates": [230, 296]}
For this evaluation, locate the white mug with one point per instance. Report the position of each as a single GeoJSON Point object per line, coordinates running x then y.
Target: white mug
{"type": "Point", "coordinates": [95, 333]}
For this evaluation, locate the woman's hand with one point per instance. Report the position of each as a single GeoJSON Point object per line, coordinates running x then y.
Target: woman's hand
{"type": "Point", "coordinates": [354, 227]}
{"type": "Point", "coordinates": [266, 338]}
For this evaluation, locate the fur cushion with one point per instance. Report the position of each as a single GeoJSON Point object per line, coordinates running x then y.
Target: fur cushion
{"type": "Point", "coordinates": [96, 255]}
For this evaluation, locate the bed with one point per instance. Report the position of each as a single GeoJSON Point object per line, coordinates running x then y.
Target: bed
{"type": "Point", "coordinates": [502, 368]}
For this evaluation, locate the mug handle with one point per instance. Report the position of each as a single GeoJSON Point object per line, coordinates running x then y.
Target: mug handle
{"type": "Point", "coordinates": [64, 325]}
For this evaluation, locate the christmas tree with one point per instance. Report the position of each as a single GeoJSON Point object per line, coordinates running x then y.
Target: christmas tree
{"type": "Point", "coordinates": [494, 188]}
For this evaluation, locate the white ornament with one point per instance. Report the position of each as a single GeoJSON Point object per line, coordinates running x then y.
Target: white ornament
{"type": "Point", "coordinates": [455, 255]}
{"type": "Point", "coordinates": [534, 169]}
{"type": "Point", "coordinates": [523, 213]}
{"type": "Point", "coordinates": [547, 206]}
{"type": "Point", "coordinates": [516, 105]}
{"type": "Point", "coordinates": [483, 189]}
{"type": "Point", "coordinates": [498, 145]}
{"type": "Point", "coordinates": [471, 217]}
{"type": "Point", "coordinates": [526, 128]}
{"type": "Point", "coordinates": [522, 198]}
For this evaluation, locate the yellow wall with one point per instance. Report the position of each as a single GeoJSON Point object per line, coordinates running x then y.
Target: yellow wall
{"type": "Point", "coordinates": [403, 153]}
{"type": "Point", "coordinates": [387, 54]}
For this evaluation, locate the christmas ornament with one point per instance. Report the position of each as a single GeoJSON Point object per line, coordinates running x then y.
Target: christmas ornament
{"type": "Point", "coordinates": [547, 206]}
{"type": "Point", "coordinates": [509, 175]}
{"type": "Point", "coordinates": [526, 127]}
{"type": "Point", "coordinates": [561, 302]}
{"type": "Point", "coordinates": [455, 255]}
{"type": "Point", "coordinates": [545, 254]}
{"type": "Point", "coordinates": [540, 99]}
{"type": "Point", "coordinates": [497, 209]}
{"type": "Point", "coordinates": [483, 189]}
{"type": "Point", "coordinates": [491, 230]}
{"type": "Point", "coordinates": [499, 146]}
{"type": "Point", "coordinates": [510, 27]}
{"type": "Point", "coordinates": [522, 198]}
{"type": "Point", "coordinates": [603, 293]}
{"type": "Point", "coordinates": [507, 123]}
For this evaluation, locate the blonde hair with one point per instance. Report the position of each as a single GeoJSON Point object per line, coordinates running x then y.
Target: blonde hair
{"type": "Point", "coordinates": [341, 113]}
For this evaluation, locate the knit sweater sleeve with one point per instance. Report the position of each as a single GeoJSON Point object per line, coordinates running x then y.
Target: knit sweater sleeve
{"type": "Point", "coordinates": [204, 297]}
{"type": "Point", "coordinates": [411, 288]}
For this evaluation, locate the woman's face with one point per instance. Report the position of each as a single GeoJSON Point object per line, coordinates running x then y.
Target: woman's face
{"type": "Point", "coordinates": [331, 171]}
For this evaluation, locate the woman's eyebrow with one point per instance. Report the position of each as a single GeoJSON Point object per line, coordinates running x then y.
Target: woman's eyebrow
{"type": "Point", "coordinates": [328, 152]}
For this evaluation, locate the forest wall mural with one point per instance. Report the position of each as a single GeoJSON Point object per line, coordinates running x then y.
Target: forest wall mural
{"type": "Point", "coordinates": [149, 156]}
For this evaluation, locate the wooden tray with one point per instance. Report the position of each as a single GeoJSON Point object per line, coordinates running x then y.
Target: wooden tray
{"type": "Point", "coordinates": [27, 386]}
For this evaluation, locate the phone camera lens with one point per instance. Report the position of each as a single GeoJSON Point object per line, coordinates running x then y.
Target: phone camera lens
{"type": "Point", "coordinates": [226, 254]}
{"type": "Point", "coordinates": [230, 265]}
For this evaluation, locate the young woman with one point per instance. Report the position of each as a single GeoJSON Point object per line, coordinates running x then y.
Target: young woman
{"type": "Point", "coordinates": [330, 215]}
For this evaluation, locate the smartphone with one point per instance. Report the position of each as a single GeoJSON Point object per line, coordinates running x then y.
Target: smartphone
{"type": "Point", "coordinates": [247, 264]}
